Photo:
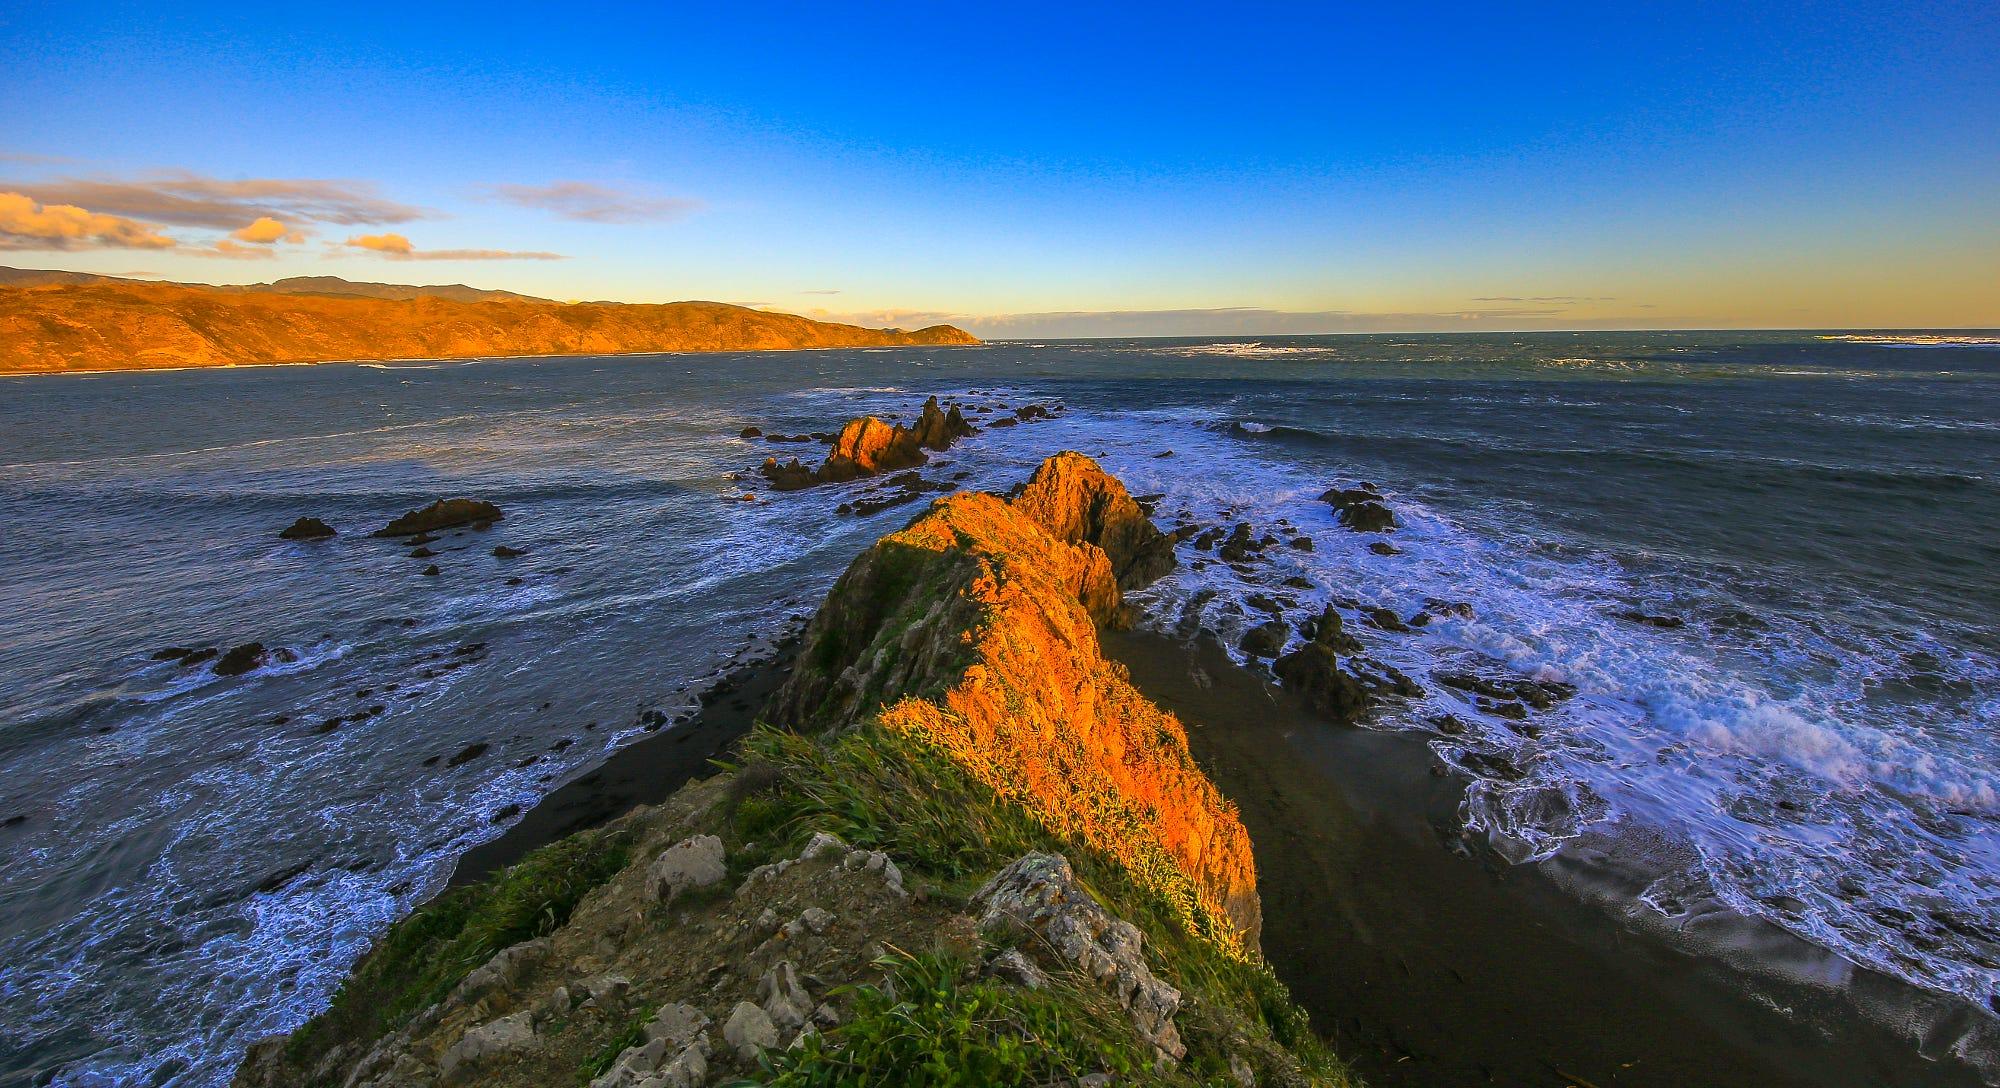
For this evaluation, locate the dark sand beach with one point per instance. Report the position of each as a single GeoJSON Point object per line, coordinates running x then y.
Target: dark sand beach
{"type": "Point", "coordinates": [1428, 962]}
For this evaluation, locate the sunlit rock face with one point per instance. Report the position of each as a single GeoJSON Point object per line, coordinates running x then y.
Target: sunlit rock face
{"type": "Point", "coordinates": [976, 629]}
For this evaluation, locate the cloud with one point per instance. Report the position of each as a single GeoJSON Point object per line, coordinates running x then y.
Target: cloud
{"type": "Point", "coordinates": [26, 226]}
{"type": "Point", "coordinates": [396, 247]}
{"type": "Point", "coordinates": [833, 291]}
{"type": "Point", "coordinates": [265, 231]}
{"type": "Point", "coordinates": [594, 203]}
{"type": "Point", "coordinates": [188, 199]}
{"type": "Point", "coordinates": [226, 248]}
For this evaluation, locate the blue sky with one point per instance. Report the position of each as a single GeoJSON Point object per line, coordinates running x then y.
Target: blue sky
{"type": "Point", "coordinates": [1038, 170]}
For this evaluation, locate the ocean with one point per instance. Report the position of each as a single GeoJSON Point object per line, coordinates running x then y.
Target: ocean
{"type": "Point", "coordinates": [190, 862]}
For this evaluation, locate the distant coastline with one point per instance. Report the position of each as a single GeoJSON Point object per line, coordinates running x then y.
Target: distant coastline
{"type": "Point", "coordinates": [115, 326]}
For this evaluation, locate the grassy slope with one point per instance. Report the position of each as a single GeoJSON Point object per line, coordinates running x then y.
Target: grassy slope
{"type": "Point", "coordinates": [113, 326]}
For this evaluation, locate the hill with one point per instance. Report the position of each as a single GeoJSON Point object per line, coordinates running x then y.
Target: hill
{"type": "Point", "coordinates": [111, 324]}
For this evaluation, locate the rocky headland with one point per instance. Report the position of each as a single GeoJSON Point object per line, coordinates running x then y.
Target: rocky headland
{"type": "Point", "coordinates": [959, 840]}
{"type": "Point", "coordinates": [127, 325]}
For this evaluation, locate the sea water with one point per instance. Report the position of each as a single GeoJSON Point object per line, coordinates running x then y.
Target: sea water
{"type": "Point", "coordinates": [189, 863]}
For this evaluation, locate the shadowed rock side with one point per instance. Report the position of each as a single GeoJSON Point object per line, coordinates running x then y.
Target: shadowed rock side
{"type": "Point", "coordinates": [975, 629]}
{"type": "Point", "coordinates": [868, 447]}
{"type": "Point", "coordinates": [130, 326]}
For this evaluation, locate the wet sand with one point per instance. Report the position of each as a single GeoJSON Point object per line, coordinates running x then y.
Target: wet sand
{"type": "Point", "coordinates": [1429, 961]}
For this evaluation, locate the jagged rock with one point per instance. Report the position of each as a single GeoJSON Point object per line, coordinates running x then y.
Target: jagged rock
{"type": "Point", "coordinates": [677, 1030]}
{"type": "Point", "coordinates": [875, 861]}
{"type": "Point", "coordinates": [1014, 968]}
{"type": "Point", "coordinates": [307, 529]}
{"type": "Point", "coordinates": [1076, 501]}
{"type": "Point", "coordinates": [790, 475]}
{"type": "Point", "coordinates": [431, 571]}
{"type": "Point", "coordinates": [1383, 547]}
{"type": "Point", "coordinates": [502, 551]}
{"type": "Point", "coordinates": [1313, 670]}
{"type": "Point", "coordinates": [695, 862]}
{"type": "Point", "coordinates": [442, 514]}
{"type": "Point", "coordinates": [1368, 517]}
{"type": "Point", "coordinates": [783, 999]}
{"type": "Point", "coordinates": [1038, 896]}
{"type": "Point", "coordinates": [937, 429]}
{"type": "Point", "coordinates": [976, 627]}
{"type": "Point", "coordinates": [507, 1035]}
{"type": "Point", "coordinates": [869, 447]}
{"type": "Point", "coordinates": [1386, 620]}
{"type": "Point", "coordinates": [1326, 629]}
{"type": "Point", "coordinates": [816, 920]}
{"type": "Point", "coordinates": [501, 972]}
{"type": "Point", "coordinates": [1241, 545]}
{"type": "Point", "coordinates": [749, 1030]}
{"type": "Point", "coordinates": [1267, 639]}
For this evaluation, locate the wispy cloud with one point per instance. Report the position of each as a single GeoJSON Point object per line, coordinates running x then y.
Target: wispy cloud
{"type": "Point", "coordinates": [591, 202]}
{"type": "Point", "coordinates": [828, 291]}
{"type": "Point", "coordinates": [396, 247]}
{"type": "Point", "coordinates": [26, 224]}
{"type": "Point", "coordinates": [194, 200]}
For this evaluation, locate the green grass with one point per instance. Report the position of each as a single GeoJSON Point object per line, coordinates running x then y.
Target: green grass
{"type": "Point", "coordinates": [423, 956]}
{"type": "Point", "coordinates": [881, 790]}
{"type": "Point", "coordinates": [928, 1026]}
{"type": "Point", "coordinates": [631, 1035]}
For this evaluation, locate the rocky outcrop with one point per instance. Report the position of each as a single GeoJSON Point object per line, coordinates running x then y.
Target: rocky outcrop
{"type": "Point", "coordinates": [1076, 501]}
{"type": "Point", "coordinates": [1038, 901]}
{"type": "Point", "coordinates": [869, 447]}
{"type": "Point", "coordinates": [1361, 509]}
{"type": "Point", "coordinates": [1314, 671]}
{"type": "Point", "coordinates": [126, 325]}
{"type": "Point", "coordinates": [443, 514]}
{"type": "Point", "coordinates": [307, 529]}
{"type": "Point", "coordinates": [975, 630]}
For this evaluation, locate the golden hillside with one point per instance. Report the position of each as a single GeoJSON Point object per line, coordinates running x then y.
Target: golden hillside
{"type": "Point", "coordinates": [132, 326]}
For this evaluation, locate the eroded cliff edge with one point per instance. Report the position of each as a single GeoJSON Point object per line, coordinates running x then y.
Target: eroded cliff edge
{"type": "Point", "coordinates": [963, 842]}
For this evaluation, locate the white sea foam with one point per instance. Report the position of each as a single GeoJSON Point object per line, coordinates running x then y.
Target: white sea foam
{"type": "Point", "coordinates": [1773, 773]}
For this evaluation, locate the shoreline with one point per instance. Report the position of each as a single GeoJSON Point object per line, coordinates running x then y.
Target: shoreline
{"type": "Point", "coordinates": [1423, 962]}
{"type": "Point", "coordinates": [1426, 966]}
{"type": "Point", "coordinates": [392, 364]}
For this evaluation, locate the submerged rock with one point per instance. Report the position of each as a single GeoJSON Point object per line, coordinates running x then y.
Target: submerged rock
{"type": "Point", "coordinates": [242, 659]}
{"type": "Point", "coordinates": [442, 514]}
{"type": "Point", "coordinates": [307, 529]}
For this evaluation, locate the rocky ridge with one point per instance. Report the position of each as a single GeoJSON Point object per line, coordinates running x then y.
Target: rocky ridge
{"type": "Point", "coordinates": [1023, 840]}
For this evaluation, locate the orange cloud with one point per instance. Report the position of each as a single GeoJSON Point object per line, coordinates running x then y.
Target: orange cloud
{"type": "Point", "coordinates": [398, 248]}
{"type": "Point", "coordinates": [225, 248]}
{"type": "Point", "coordinates": [395, 245]}
{"type": "Point", "coordinates": [266, 230]}
{"type": "Point", "coordinates": [26, 225]}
